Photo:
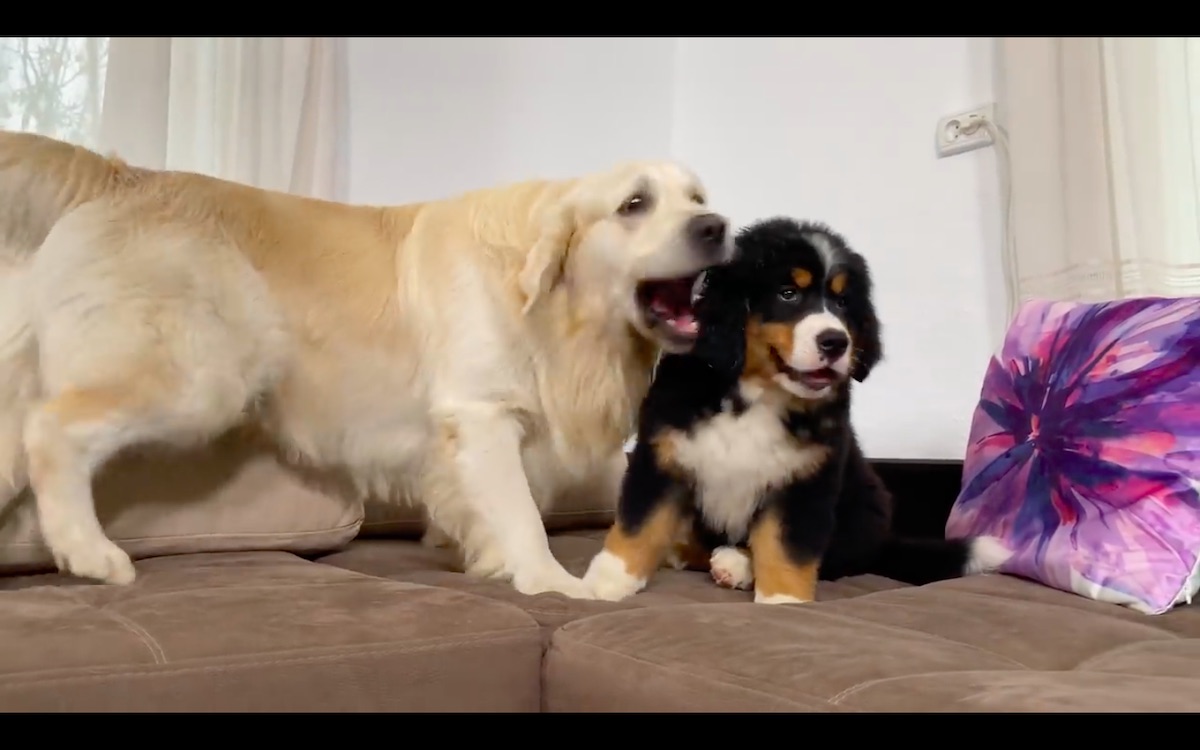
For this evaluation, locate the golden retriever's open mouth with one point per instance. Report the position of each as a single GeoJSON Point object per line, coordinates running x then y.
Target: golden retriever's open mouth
{"type": "Point", "coordinates": [666, 306]}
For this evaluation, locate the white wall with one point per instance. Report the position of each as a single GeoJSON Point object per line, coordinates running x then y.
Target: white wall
{"type": "Point", "coordinates": [429, 117]}
{"type": "Point", "coordinates": [839, 130]}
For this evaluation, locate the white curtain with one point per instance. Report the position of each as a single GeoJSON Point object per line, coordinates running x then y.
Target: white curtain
{"type": "Point", "coordinates": [1104, 146]}
{"type": "Point", "coordinates": [269, 112]}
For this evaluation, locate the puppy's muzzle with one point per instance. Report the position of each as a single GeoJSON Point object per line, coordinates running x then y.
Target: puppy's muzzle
{"type": "Point", "coordinates": [708, 233]}
{"type": "Point", "coordinates": [832, 344]}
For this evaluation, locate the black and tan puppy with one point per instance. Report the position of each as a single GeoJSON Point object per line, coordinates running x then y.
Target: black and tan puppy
{"type": "Point", "coordinates": [746, 462]}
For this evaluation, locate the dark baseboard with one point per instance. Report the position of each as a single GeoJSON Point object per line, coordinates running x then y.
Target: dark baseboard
{"type": "Point", "coordinates": [924, 491]}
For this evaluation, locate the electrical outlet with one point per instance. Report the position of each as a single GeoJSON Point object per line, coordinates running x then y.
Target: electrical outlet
{"type": "Point", "coordinates": [952, 140]}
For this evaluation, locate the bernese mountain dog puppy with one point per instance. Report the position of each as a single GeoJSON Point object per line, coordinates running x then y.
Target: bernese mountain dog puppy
{"type": "Point", "coordinates": [746, 462]}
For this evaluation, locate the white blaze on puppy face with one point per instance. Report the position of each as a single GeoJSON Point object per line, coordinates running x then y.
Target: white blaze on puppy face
{"type": "Point", "coordinates": [824, 246]}
{"type": "Point", "coordinates": [806, 351]}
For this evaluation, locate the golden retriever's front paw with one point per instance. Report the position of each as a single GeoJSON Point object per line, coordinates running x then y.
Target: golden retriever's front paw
{"type": "Point", "coordinates": [94, 557]}
{"type": "Point", "coordinates": [555, 582]}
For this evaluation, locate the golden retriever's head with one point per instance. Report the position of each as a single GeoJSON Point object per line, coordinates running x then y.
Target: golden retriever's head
{"type": "Point", "coordinates": [638, 237]}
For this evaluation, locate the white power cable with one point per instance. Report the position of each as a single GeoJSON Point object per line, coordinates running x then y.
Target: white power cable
{"type": "Point", "coordinates": [1012, 279]}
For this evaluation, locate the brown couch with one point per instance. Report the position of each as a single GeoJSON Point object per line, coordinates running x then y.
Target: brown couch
{"type": "Point", "coordinates": [241, 610]}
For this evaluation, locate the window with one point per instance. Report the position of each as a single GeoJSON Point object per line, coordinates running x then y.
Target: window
{"type": "Point", "coordinates": [53, 85]}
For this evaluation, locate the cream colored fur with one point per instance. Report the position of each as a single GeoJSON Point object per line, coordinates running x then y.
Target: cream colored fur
{"type": "Point", "coordinates": [477, 355]}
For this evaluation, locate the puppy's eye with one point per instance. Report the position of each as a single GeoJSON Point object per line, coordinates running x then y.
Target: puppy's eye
{"type": "Point", "coordinates": [698, 199]}
{"type": "Point", "coordinates": [634, 204]}
{"type": "Point", "coordinates": [789, 293]}
{"type": "Point", "coordinates": [837, 301]}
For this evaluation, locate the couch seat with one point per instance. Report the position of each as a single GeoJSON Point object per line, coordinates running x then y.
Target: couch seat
{"type": "Point", "coordinates": [981, 644]}
{"type": "Point", "coordinates": [411, 562]}
{"type": "Point", "coordinates": [260, 631]}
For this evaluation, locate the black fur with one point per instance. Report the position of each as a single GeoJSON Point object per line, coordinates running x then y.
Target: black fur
{"type": "Point", "coordinates": [841, 514]}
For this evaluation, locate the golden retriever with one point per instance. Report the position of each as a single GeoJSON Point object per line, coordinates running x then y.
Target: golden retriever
{"type": "Point", "coordinates": [478, 355]}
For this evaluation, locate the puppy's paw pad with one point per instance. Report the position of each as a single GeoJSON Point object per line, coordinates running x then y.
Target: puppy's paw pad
{"type": "Point", "coordinates": [730, 568]}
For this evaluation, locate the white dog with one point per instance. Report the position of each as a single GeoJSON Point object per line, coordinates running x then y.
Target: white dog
{"type": "Point", "coordinates": [478, 355]}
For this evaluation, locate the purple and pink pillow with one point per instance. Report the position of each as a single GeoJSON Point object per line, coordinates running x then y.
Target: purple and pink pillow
{"type": "Point", "coordinates": [1084, 454]}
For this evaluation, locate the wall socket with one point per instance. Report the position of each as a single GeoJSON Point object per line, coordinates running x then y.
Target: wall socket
{"type": "Point", "coordinates": [952, 140]}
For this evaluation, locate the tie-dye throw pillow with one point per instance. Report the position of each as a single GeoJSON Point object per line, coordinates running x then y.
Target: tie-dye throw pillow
{"type": "Point", "coordinates": [1084, 455]}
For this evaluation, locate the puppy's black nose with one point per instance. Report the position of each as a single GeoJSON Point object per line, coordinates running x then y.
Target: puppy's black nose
{"type": "Point", "coordinates": [708, 231]}
{"type": "Point", "coordinates": [832, 343]}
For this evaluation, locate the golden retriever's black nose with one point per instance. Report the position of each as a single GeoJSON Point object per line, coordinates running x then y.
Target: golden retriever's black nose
{"type": "Point", "coordinates": [708, 231]}
{"type": "Point", "coordinates": [832, 343]}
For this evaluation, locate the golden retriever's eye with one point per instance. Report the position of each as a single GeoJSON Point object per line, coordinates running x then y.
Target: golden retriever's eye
{"type": "Point", "coordinates": [698, 199]}
{"type": "Point", "coordinates": [634, 204]}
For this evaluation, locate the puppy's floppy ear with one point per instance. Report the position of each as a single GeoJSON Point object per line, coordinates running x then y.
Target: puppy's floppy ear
{"type": "Point", "coordinates": [544, 263]}
{"type": "Point", "coordinates": [722, 312]}
{"type": "Point", "coordinates": [868, 334]}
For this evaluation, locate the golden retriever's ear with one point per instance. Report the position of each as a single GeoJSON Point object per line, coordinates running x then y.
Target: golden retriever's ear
{"type": "Point", "coordinates": [544, 263]}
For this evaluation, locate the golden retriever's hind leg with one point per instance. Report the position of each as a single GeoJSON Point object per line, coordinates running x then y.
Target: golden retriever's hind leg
{"type": "Point", "coordinates": [68, 438]}
{"type": "Point", "coordinates": [71, 435]}
{"type": "Point", "coordinates": [18, 384]}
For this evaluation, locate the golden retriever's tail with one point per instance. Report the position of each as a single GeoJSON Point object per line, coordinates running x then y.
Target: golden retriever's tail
{"type": "Point", "coordinates": [41, 180]}
{"type": "Point", "coordinates": [18, 378]}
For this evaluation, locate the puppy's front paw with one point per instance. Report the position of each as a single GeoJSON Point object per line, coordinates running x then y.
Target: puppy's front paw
{"type": "Point", "coordinates": [761, 598]}
{"type": "Point", "coordinates": [609, 579]}
{"type": "Point", "coordinates": [731, 568]}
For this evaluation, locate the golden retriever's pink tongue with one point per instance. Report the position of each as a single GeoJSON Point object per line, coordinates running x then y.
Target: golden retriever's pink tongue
{"type": "Point", "coordinates": [684, 323]}
{"type": "Point", "coordinates": [681, 320]}
{"type": "Point", "coordinates": [673, 304]}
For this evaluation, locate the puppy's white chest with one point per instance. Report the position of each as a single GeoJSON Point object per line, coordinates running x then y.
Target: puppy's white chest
{"type": "Point", "coordinates": [736, 459]}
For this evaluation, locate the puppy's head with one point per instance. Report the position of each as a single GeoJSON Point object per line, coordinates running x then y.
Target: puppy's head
{"type": "Point", "coordinates": [637, 238]}
{"type": "Point", "coordinates": [793, 311]}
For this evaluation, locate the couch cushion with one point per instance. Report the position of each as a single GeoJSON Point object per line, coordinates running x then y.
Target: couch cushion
{"type": "Point", "coordinates": [986, 643]}
{"type": "Point", "coordinates": [260, 631]}
{"type": "Point", "coordinates": [413, 562]}
{"type": "Point", "coordinates": [230, 496]}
